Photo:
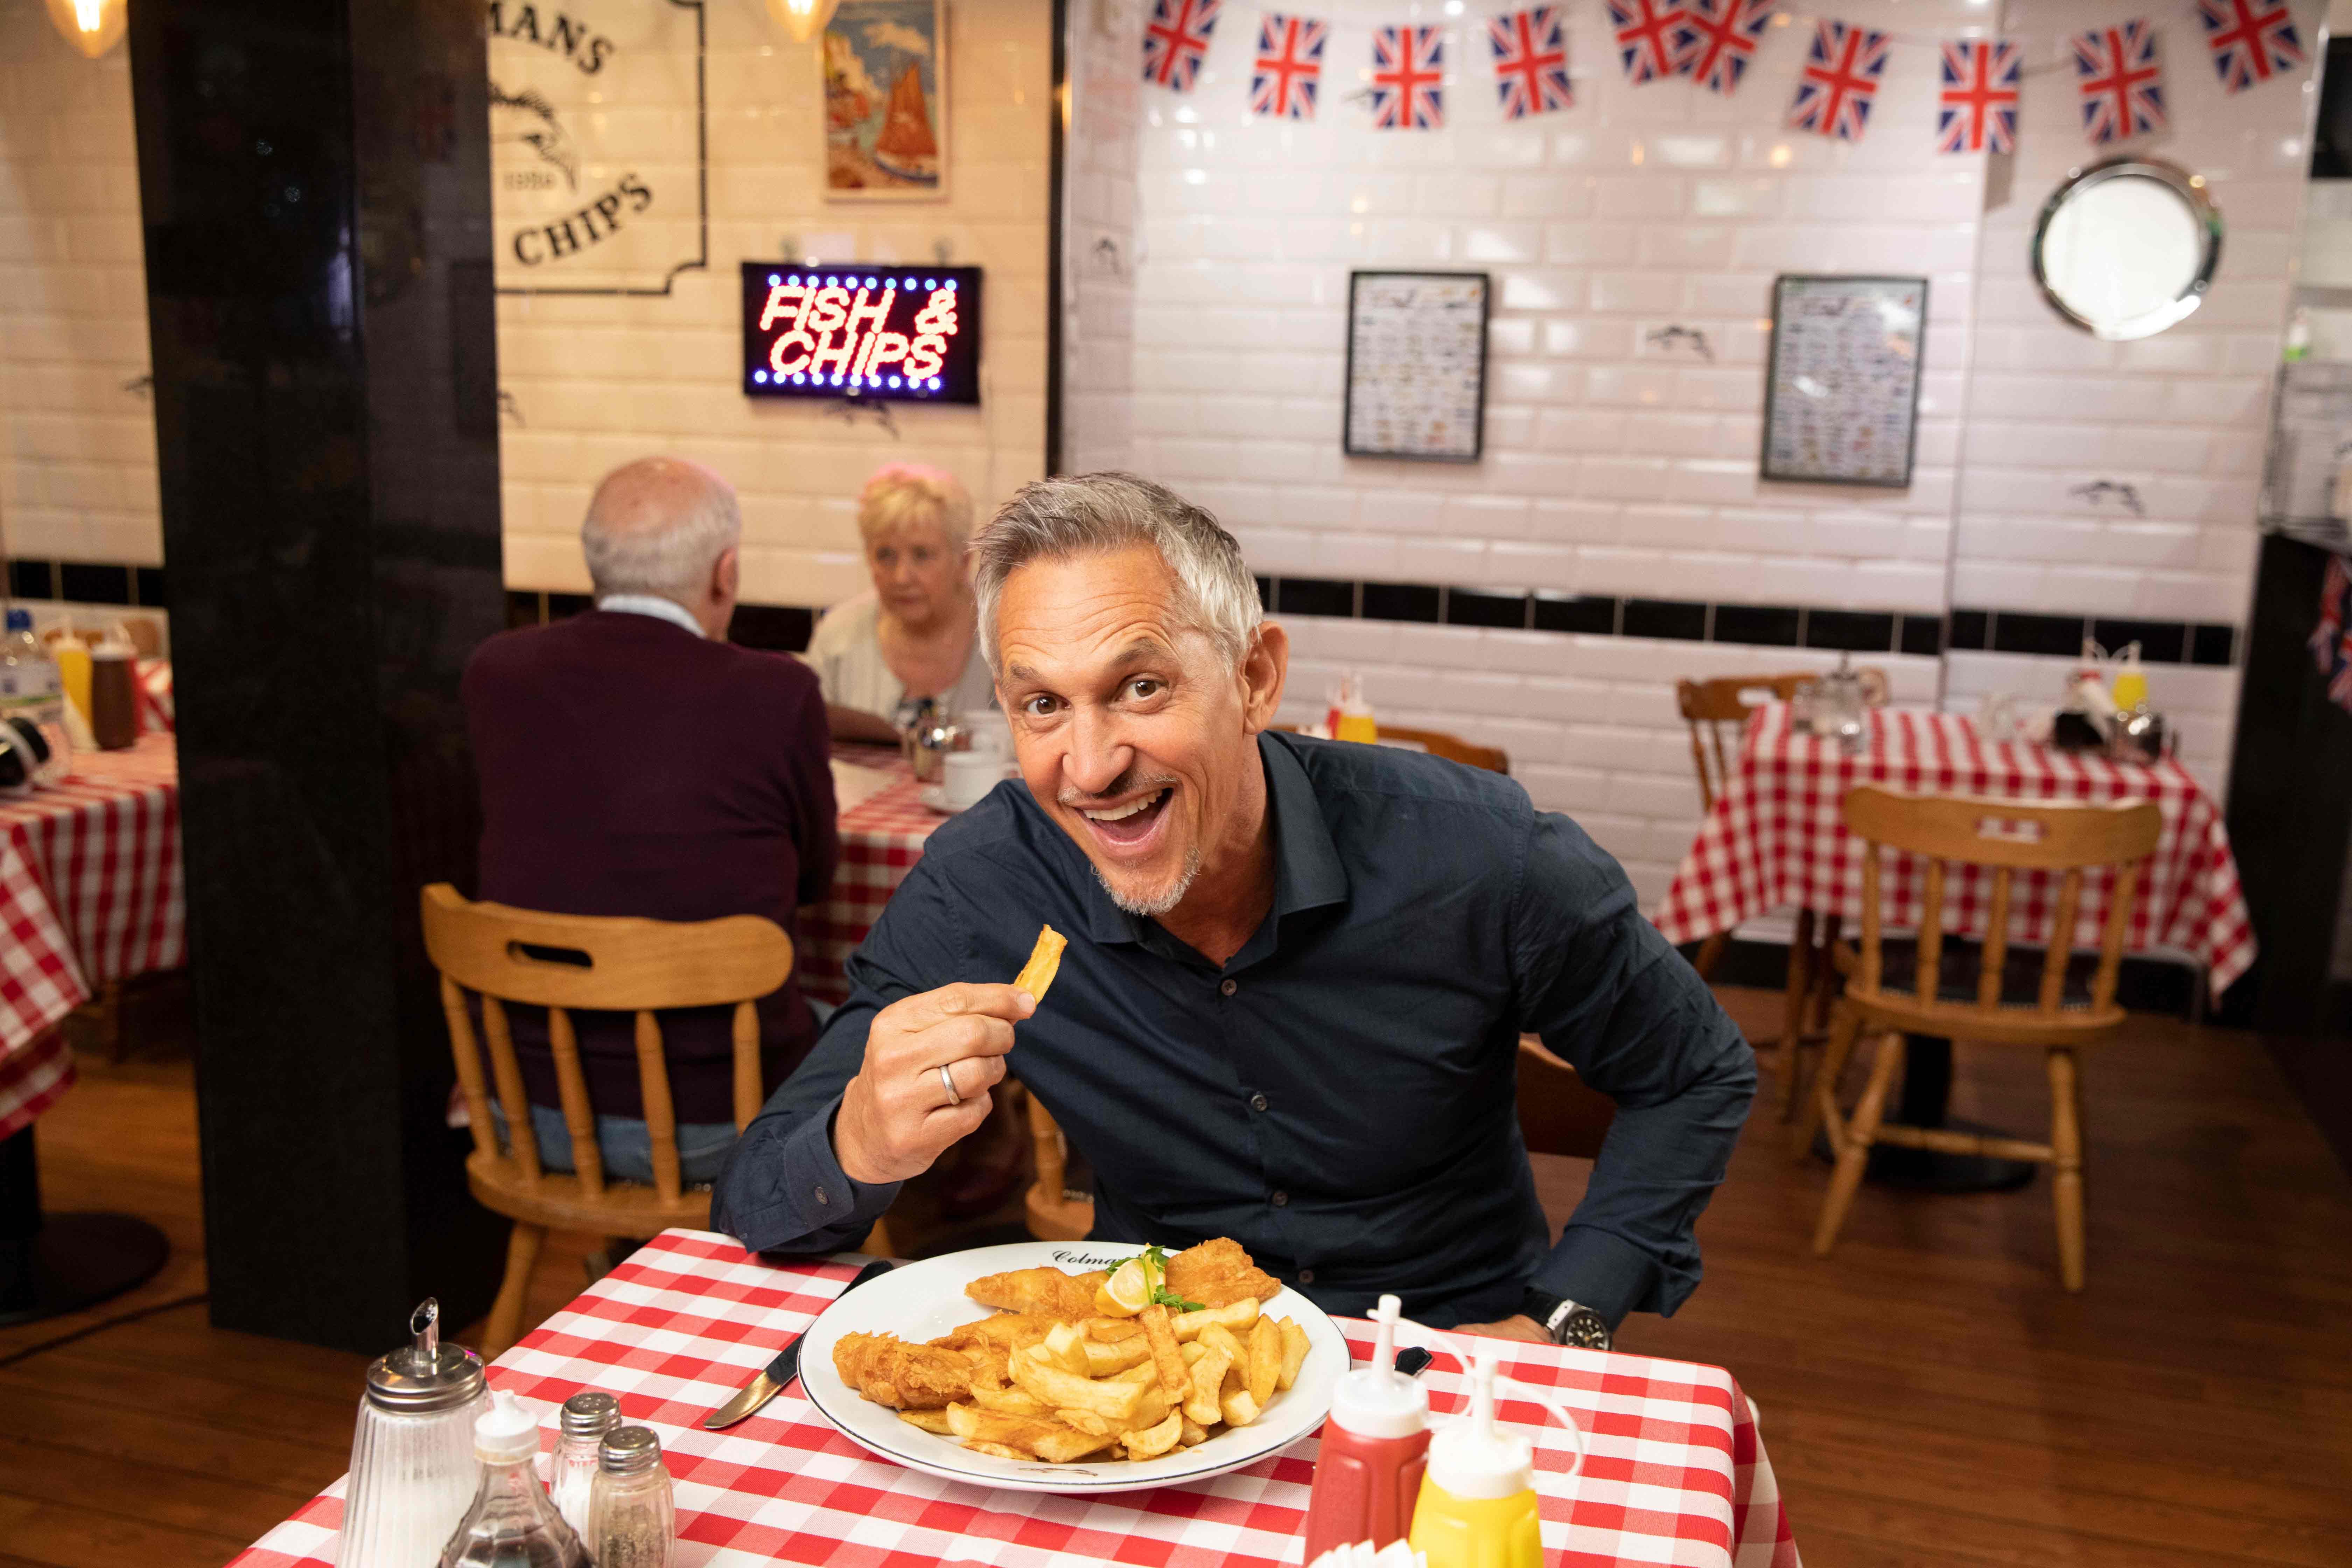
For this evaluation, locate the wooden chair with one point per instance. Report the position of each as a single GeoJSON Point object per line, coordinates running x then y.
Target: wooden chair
{"type": "Point", "coordinates": [1557, 1115]}
{"type": "Point", "coordinates": [634, 966]}
{"type": "Point", "coordinates": [2007, 837]}
{"type": "Point", "coordinates": [1438, 743]}
{"type": "Point", "coordinates": [1716, 712]}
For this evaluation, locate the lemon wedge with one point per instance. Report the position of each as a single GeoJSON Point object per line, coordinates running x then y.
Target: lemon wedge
{"type": "Point", "coordinates": [1128, 1292]}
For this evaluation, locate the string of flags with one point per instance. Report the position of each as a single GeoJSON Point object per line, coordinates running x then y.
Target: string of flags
{"type": "Point", "coordinates": [2118, 71]}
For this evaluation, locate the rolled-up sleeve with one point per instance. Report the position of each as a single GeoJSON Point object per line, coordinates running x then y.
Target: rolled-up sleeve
{"type": "Point", "coordinates": [1608, 994]}
{"type": "Point", "coordinates": [782, 1188]}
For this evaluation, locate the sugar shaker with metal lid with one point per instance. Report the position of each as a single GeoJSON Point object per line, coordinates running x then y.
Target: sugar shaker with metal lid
{"type": "Point", "coordinates": [632, 1521]}
{"type": "Point", "coordinates": [413, 1472]}
{"type": "Point", "coordinates": [587, 1416]}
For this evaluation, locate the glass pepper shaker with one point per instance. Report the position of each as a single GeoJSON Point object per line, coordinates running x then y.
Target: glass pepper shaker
{"type": "Point", "coordinates": [587, 1416]}
{"type": "Point", "coordinates": [632, 1520]}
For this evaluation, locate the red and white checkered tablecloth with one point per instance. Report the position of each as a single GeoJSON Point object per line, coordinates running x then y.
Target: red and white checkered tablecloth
{"type": "Point", "coordinates": [1676, 1472]}
{"type": "Point", "coordinates": [89, 892]}
{"type": "Point", "coordinates": [881, 839]}
{"type": "Point", "coordinates": [1776, 837]}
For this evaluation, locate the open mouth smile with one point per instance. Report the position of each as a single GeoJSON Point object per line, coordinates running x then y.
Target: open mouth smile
{"type": "Point", "coordinates": [1130, 825]}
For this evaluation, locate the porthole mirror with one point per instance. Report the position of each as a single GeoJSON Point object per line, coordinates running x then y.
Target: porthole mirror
{"type": "Point", "coordinates": [2128, 247]}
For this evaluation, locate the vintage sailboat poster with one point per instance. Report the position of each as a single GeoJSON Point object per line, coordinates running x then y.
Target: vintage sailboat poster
{"type": "Point", "coordinates": [885, 83]}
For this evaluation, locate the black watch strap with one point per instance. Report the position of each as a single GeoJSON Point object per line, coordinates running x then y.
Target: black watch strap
{"type": "Point", "coordinates": [1540, 1304]}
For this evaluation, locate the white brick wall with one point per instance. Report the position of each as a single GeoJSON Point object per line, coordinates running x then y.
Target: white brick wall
{"type": "Point", "coordinates": [601, 381]}
{"type": "Point", "coordinates": [1615, 467]}
{"type": "Point", "coordinates": [78, 467]}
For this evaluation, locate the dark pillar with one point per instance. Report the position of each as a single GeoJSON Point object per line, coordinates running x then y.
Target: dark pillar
{"type": "Point", "coordinates": [315, 180]}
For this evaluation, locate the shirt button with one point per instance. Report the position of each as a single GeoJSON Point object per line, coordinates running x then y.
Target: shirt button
{"type": "Point", "coordinates": [1307, 1277]}
{"type": "Point", "coordinates": [1229, 988]}
{"type": "Point", "coordinates": [1280, 1200]}
{"type": "Point", "coordinates": [820, 1198]}
{"type": "Point", "coordinates": [1257, 1102]}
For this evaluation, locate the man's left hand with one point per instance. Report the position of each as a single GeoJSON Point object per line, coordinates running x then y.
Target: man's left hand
{"type": "Point", "coordinates": [1518, 1326]}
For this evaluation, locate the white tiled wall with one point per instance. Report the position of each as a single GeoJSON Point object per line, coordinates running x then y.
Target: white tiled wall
{"type": "Point", "coordinates": [1100, 235]}
{"type": "Point", "coordinates": [595, 381]}
{"type": "Point", "coordinates": [77, 464]}
{"type": "Point", "coordinates": [1616, 466]}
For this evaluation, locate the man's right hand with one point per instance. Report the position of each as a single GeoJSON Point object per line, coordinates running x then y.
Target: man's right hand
{"type": "Point", "coordinates": [894, 1117]}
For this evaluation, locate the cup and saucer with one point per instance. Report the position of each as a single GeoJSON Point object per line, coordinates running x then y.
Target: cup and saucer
{"type": "Point", "coordinates": [967, 776]}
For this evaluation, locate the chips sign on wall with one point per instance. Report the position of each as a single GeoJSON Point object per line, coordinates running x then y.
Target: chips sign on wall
{"type": "Point", "coordinates": [862, 329]}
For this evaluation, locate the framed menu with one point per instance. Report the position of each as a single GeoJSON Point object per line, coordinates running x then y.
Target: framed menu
{"type": "Point", "coordinates": [1416, 365]}
{"type": "Point", "coordinates": [1841, 397]}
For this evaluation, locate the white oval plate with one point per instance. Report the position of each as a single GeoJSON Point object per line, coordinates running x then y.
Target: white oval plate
{"type": "Point", "coordinates": [918, 1301]}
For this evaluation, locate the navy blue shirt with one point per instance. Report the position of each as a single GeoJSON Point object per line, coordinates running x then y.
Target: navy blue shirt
{"type": "Point", "coordinates": [1339, 1097]}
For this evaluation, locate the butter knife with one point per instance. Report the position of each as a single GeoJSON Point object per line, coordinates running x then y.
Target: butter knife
{"type": "Point", "coordinates": [783, 1369]}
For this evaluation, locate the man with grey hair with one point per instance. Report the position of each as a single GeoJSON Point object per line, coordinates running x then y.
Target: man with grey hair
{"type": "Point", "coordinates": [633, 762]}
{"type": "Point", "coordinates": [1297, 972]}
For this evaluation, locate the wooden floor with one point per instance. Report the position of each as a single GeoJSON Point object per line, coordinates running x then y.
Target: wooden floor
{"type": "Point", "coordinates": [1929, 1395]}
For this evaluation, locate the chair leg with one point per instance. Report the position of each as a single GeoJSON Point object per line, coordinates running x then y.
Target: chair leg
{"type": "Point", "coordinates": [1710, 953]}
{"type": "Point", "coordinates": [2066, 1179]}
{"type": "Point", "coordinates": [1854, 1154]}
{"type": "Point", "coordinates": [1793, 1007]}
{"type": "Point", "coordinates": [1845, 1024]}
{"type": "Point", "coordinates": [1825, 975]}
{"type": "Point", "coordinates": [505, 1326]}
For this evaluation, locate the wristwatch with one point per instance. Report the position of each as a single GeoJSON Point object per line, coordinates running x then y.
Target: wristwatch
{"type": "Point", "coordinates": [1567, 1322]}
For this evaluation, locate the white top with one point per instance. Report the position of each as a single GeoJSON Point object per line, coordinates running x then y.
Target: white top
{"type": "Point", "coordinates": [652, 604]}
{"type": "Point", "coordinates": [845, 651]}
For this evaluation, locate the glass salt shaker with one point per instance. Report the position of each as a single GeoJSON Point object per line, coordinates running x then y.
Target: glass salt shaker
{"type": "Point", "coordinates": [632, 1521]}
{"type": "Point", "coordinates": [587, 1416]}
{"type": "Point", "coordinates": [512, 1523]}
{"type": "Point", "coordinates": [413, 1468]}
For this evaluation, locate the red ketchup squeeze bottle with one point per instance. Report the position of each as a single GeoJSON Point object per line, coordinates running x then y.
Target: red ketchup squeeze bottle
{"type": "Point", "coordinates": [1375, 1446]}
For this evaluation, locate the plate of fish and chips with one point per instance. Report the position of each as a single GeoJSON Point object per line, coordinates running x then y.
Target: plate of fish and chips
{"type": "Point", "coordinates": [1056, 1366]}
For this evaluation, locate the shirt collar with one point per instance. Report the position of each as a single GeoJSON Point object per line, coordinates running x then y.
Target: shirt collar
{"type": "Point", "coordinates": [652, 604]}
{"type": "Point", "coordinates": [1308, 873]}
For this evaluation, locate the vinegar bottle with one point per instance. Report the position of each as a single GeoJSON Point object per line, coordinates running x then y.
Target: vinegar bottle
{"type": "Point", "coordinates": [1374, 1445]}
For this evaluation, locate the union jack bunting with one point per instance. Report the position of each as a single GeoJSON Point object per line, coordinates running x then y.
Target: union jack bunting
{"type": "Point", "coordinates": [2327, 638]}
{"type": "Point", "coordinates": [1531, 62]}
{"type": "Point", "coordinates": [1175, 41]}
{"type": "Point", "coordinates": [1978, 107]}
{"type": "Point", "coordinates": [1647, 36]}
{"type": "Point", "coordinates": [2252, 40]}
{"type": "Point", "coordinates": [1407, 63]}
{"type": "Point", "coordinates": [1840, 79]}
{"type": "Point", "coordinates": [1718, 38]}
{"type": "Point", "coordinates": [1289, 66]}
{"type": "Point", "coordinates": [2121, 83]}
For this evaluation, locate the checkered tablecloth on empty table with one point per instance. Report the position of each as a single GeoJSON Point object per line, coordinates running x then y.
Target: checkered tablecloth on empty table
{"type": "Point", "coordinates": [1775, 838]}
{"type": "Point", "coordinates": [881, 839]}
{"type": "Point", "coordinates": [89, 892]}
{"type": "Point", "coordinates": [1676, 1473]}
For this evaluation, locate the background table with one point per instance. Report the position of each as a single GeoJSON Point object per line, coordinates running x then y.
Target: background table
{"type": "Point", "coordinates": [1676, 1473]}
{"type": "Point", "coordinates": [1776, 837]}
{"type": "Point", "coordinates": [90, 894]}
{"type": "Point", "coordinates": [881, 839]}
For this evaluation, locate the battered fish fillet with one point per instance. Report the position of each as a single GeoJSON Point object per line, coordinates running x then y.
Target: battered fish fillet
{"type": "Point", "coordinates": [888, 1371]}
{"type": "Point", "coordinates": [1218, 1274]}
{"type": "Point", "coordinates": [1006, 1332]}
{"type": "Point", "coordinates": [1046, 1292]}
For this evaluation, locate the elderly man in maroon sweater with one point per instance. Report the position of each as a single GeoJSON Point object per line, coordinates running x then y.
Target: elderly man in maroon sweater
{"type": "Point", "coordinates": [635, 762]}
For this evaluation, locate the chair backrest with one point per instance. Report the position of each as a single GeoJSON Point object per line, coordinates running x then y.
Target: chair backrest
{"type": "Point", "coordinates": [1716, 709]}
{"type": "Point", "coordinates": [564, 963]}
{"type": "Point", "coordinates": [2005, 837]}
{"type": "Point", "coordinates": [1560, 1114]}
{"type": "Point", "coordinates": [1053, 1213]}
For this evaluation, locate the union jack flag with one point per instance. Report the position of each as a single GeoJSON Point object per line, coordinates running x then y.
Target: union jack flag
{"type": "Point", "coordinates": [2252, 40]}
{"type": "Point", "coordinates": [1176, 40]}
{"type": "Point", "coordinates": [1978, 108]}
{"type": "Point", "coordinates": [1289, 66]}
{"type": "Point", "coordinates": [2121, 83]}
{"type": "Point", "coordinates": [1407, 63]}
{"type": "Point", "coordinates": [2325, 645]}
{"type": "Point", "coordinates": [1531, 62]}
{"type": "Point", "coordinates": [1647, 36]}
{"type": "Point", "coordinates": [1718, 38]}
{"type": "Point", "coordinates": [1840, 79]}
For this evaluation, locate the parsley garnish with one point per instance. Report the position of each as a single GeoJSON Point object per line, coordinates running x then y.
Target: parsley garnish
{"type": "Point", "coordinates": [1155, 1264]}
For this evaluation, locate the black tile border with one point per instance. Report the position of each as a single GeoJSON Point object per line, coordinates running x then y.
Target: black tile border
{"type": "Point", "coordinates": [89, 583]}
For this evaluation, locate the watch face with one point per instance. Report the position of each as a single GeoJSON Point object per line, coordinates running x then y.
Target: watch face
{"type": "Point", "coordinates": [1584, 1329]}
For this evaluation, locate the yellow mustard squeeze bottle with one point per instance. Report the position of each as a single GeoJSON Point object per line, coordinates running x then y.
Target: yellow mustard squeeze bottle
{"type": "Point", "coordinates": [1477, 1506]}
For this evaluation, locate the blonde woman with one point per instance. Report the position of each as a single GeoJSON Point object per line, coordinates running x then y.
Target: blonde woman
{"type": "Point", "coordinates": [880, 656]}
